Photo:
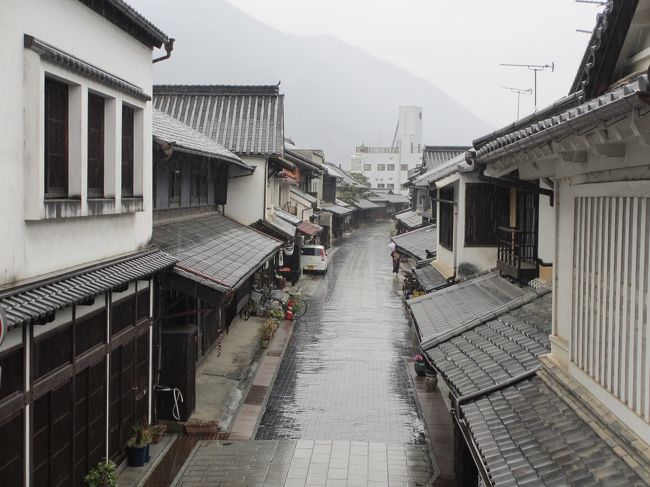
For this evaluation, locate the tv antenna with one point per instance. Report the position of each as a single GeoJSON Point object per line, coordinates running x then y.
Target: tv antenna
{"type": "Point", "coordinates": [535, 68]}
{"type": "Point", "coordinates": [519, 91]}
{"type": "Point", "coordinates": [593, 2]}
{"type": "Point", "coordinates": [585, 31]}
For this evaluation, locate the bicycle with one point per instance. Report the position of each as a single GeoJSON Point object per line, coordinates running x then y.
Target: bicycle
{"type": "Point", "coordinates": [299, 304]}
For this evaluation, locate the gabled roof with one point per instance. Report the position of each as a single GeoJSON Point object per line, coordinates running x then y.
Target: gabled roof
{"type": "Point", "coordinates": [185, 139]}
{"type": "Point", "coordinates": [279, 225]}
{"type": "Point", "coordinates": [340, 202]}
{"type": "Point", "coordinates": [291, 153]}
{"type": "Point", "coordinates": [247, 120]}
{"type": "Point", "coordinates": [452, 311]}
{"type": "Point", "coordinates": [304, 227]}
{"type": "Point", "coordinates": [343, 176]}
{"type": "Point", "coordinates": [417, 242]}
{"type": "Point", "coordinates": [434, 155]}
{"type": "Point", "coordinates": [495, 352]}
{"type": "Point", "coordinates": [526, 435]}
{"type": "Point", "coordinates": [410, 219]}
{"type": "Point", "coordinates": [128, 19]}
{"type": "Point", "coordinates": [215, 247]}
{"type": "Point", "coordinates": [596, 71]}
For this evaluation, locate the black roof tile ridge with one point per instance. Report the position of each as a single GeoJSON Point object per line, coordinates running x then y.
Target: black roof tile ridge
{"type": "Point", "coordinates": [172, 89]}
{"type": "Point", "coordinates": [574, 395]}
{"type": "Point", "coordinates": [506, 308]}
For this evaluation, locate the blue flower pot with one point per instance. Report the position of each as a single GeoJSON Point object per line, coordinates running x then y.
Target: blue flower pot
{"type": "Point", "coordinates": [136, 456]}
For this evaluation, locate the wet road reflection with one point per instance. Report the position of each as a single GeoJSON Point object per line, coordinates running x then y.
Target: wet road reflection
{"type": "Point", "coordinates": [343, 375]}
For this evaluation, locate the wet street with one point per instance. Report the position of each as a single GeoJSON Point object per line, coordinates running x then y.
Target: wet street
{"type": "Point", "coordinates": [343, 375]}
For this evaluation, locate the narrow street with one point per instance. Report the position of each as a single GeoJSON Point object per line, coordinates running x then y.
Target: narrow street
{"type": "Point", "coordinates": [343, 375]}
{"type": "Point", "coordinates": [342, 410]}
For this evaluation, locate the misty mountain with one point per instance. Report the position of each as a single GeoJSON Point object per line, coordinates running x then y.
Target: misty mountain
{"type": "Point", "coordinates": [336, 95]}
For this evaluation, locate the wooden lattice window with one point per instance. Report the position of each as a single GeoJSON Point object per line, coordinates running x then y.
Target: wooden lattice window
{"type": "Point", "coordinates": [446, 224]}
{"type": "Point", "coordinates": [127, 150]}
{"type": "Point", "coordinates": [95, 146]}
{"type": "Point", "coordinates": [56, 139]}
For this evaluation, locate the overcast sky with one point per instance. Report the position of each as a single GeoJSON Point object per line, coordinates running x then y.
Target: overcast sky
{"type": "Point", "coordinates": [455, 44]}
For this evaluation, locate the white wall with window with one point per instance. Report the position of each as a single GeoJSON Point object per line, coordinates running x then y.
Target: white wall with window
{"type": "Point", "coordinates": [74, 186]}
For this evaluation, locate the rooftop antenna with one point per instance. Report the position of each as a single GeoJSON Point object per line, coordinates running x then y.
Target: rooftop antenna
{"type": "Point", "coordinates": [593, 2]}
{"type": "Point", "coordinates": [519, 91]}
{"type": "Point", "coordinates": [535, 68]}
{"type": "Point", "coordinates": [585, 31]}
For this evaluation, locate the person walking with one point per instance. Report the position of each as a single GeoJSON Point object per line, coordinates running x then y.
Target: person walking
{"type": "Point", "coordinates": [397, 258]}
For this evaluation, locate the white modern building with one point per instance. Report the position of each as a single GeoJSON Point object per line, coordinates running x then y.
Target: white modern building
{"type": "Point", "coordinates": [387, 167]}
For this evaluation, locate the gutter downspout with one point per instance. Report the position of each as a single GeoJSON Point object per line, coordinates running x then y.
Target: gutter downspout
{"type": "Point", "coordinates": [169, 47]}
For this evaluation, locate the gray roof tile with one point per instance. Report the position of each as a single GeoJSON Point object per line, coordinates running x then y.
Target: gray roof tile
{"type": "Point", "coordinates": [304, 195]}
{"type": "Point", "coordinates": [215, 246]}
{"type": "Point", "coordinates": [429, 277]}
{"type": "Point", "coordinates": [496, 351]}
{"type": "Point", "coordinates": [247, 120]}
{"type": "Point", "coordinates": [336, 209]}
{"type": "Point", "coordinates": [364, 204]}
{"type": "Point", "coordinates": [410, 219]}
{"type": "Point", "coordinates": [526, 435]}
{"type": "Point", "coordinates": [453, 310]}
{"type": "Point", "coordinates": [435, 155]}
{"type": "Point", "coordinates": [168, 129]}
{"type": "Point", "coordinates": [417, 242]}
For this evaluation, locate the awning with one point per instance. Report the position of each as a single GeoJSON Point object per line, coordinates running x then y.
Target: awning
{"type": "Point", "coordinates": [33, 302]}
{"type": "Point", "coordinates": [279, 225]}
{"type": "Point", "coordinates": [215, 248]}
{"type": "Point", "coordinates": [304, 227]}
{"type": "Point", "coordinates": [418, 242]}
{"type": "Point", "coordinates": [305, 196]}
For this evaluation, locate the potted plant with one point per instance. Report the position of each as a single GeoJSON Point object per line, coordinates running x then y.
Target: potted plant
{"type": "Point", "coordinates": [136, 448]}
{"type": "Point", "coordinates": [146, 436]}
{"type": "Point", "coordinates": [268, 329]}
{"type": "Point", "coordinates": [157, 432]}
{"type": "Point", "coordinates": [104, 474]}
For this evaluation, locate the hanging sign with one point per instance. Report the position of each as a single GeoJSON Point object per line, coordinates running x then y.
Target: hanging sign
{"type": "Point", "coordinates": [3, 324]}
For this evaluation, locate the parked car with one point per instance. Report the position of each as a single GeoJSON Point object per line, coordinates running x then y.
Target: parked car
{"type": "Point", "coordinates": [314, 258]}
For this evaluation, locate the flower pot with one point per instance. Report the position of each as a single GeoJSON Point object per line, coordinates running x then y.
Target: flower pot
{"type": "Point", "coordinates": [157, 432]}
{"type": "Point", "coordinates": [136, 456]}
{"type": "Point", "coordinates": [430, 384]}
{"type": "Point", "coordinates": [201, 427]}
{"type": "Point", "coordinates": [420, 368]}
{"type": "Point", "coordinates": [147, 457]}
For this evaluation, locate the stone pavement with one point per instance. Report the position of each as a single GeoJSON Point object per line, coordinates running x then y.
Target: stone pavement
{"type": "Point", "coordinates": [302, 463]}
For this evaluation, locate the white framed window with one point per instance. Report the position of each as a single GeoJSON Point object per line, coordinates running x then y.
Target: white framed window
{"type": "Point", "coordinates": [381, 167]}
{"type": "Point", "coordinates": [367, 167]}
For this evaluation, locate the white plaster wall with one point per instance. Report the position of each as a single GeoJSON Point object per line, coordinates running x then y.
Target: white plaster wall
{"type": "Point", "coordinates": [246, 194]}
{"type": "Point", "coordinates": [35, 248]}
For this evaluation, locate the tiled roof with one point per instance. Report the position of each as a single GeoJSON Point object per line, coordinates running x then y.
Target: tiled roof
{"type": "Point", "coordinates": [605, 109]}
{"type": "Point", "coordinates": [155, 36]}
{"type": "Point", "coordinates": [342, 176]}
{"type": "Point", "coordinates": [168, 129]}
{"type": "Point", "coordinates": [364, 204]}
{"type": "Point", "coordinates": [304, 195]}
{"type": "Point", "coordinates": [336, 209]}
{"type": "Point", "coordinates": [280, 225]}
{"type": "Point", "coordinates": [308, 228]}
{"type": "Point", "coordinates": [429, 277]}
{"type": "Point", "coordinates": [497, 351]}
{"type": "Point", "coordinates": [293, 219]}
{"type": "Point", "coordinates": [388, 197]}
{"type": "Point", "coordinates": [25, 304]}
{"type": "Point", "coordinates": [449, 312]}
{"type": "Point", "coordinates": [434, 155]}
{"type": "Point", "coordinates": [296, 157]}
{"type": "Point", "coordinates": [604, 47]}
{"type": "Point", "coordinates": [525, 435]}
{"type": "Point", "coordinates": [247, 120]}
{"type": "Point", "coordinates": [410, 219]}
{"type": "Point", "coordinates": [342, 203]}
{"type": "Point", "coordinates": [215, 247]}
{"type": "Point", "coordinates": [457, 164]}
{"type": "Point", "coordinates": [417, 242]}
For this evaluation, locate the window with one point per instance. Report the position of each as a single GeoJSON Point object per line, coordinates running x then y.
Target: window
{"type": "Point", "coordinates": [420, 115]}
{"type": "Point", "coordinates": [95, 146]}
{"type": "Point", "coordinates": [367, 167]}
{"type": "Point", "coordinates": [411, 147]}
{"type": "Point", "coordinates": [391, 167]}
{"type": "Point", "coordinates": [404, 167]}
{"type": "Point", "coordinates": [390, 186]}
{"type": "Point", "coordinates": [56, 139]}
{"type": "Point", "coordinates": [175, 183]}
{"type": "Point", "coordinates": [381, 167]}
{"type": "Point", "coordinates": [127, 150]}
{"type": "Point", "coordinates": [355, 165]}
{"type": "Point", "coordinates": [381, 185]}
{"type": "Point", "coordinates": [446, 217]}
{"type": "Point", "coordinates": [487, 207]}
{"type": "Point", "coordinates": [199, 186]}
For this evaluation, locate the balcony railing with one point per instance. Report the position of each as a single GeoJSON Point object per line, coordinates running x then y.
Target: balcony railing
{"type": "Point", "coordinates": [517, 253]}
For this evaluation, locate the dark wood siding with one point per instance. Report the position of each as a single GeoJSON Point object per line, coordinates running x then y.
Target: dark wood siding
{"type": "Point", "coordinates": [56, 139]}
{"type": "Point", "coordinates": [127, 150]}
{"type": "Point", "coordinates": [221, 184]}
{"type": "Point", "coordinates": [95, 146]}
{"type": "Point", "coordinates": [122, 314]}
{"type": "Point", "coordinates": [52, 350]}
{"type": "Point", "coordinates": [487, 207]}
{"type": "Point", "coordinates": [12, 432]}
{"type": "Point", "coordinates": [11, 363]}
{"type": "Point", "coordinates": [446, 224]}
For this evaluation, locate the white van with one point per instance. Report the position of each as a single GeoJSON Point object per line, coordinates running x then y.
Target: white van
{"type": "Point", "coordinates": [314, 258]}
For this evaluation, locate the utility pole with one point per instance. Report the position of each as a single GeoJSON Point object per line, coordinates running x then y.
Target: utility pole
{"type": "Point", "coordinates": [535, 68]}
{"type": "Point", "coordinates": [519, 91]}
